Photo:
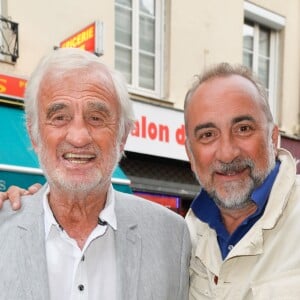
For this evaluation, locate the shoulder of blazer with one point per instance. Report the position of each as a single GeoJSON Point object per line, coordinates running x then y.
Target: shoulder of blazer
{"type": "Point", "coordinates": [31, 206]}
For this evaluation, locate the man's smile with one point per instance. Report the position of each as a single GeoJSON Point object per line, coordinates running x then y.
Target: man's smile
{"type": "Point", "coordinates": [79, 158]}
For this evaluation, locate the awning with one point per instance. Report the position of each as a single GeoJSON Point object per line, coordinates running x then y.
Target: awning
{"type": "Point", "coordinates": [18, 162]}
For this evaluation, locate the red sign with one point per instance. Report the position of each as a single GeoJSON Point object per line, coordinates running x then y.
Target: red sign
{"type": "Point", "coordinates": [12, 86]}
{"type": "Point", "coordinates": [171, 202]}
{"type": "Point", "coordinates": [87, 39]}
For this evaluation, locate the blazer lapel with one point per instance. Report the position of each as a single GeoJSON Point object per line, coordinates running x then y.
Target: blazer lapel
{"type": "Point", "coordinates": [128, 254]}
{"type": "Point", "coordinates": [32, 264]}
{"type": "Point", "coordinates": [32, 259]}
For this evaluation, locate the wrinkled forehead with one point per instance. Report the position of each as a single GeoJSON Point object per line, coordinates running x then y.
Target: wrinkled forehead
{"type": "Point", "coordinates": [96, 72]}
{"type": "Point", "coordinates": [93, 75]}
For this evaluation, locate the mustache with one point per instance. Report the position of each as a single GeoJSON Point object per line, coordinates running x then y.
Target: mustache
{"type": "Point", "coordinates": [236, 165]}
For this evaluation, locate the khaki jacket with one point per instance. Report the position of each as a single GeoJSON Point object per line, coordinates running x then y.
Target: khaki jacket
{"type": "Point", "coordinates": [265, 264]}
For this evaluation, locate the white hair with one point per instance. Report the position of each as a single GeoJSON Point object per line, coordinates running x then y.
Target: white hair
{"type": "Point", "coordinates": [63, 60]}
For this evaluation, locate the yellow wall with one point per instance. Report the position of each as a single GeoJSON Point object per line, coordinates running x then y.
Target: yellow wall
{"type": "Point", "coordinates": [199, 33]}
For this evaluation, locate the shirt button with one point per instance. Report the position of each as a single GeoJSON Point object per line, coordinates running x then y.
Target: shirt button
{"type": "Point", "coordinates": [82, 258]}
{"type": "Point", "coordinates": [230, 247]}
{"type": "Point", "coordinates": [216, 279]}
{"type": "Point", "coordinates": [81, 287]}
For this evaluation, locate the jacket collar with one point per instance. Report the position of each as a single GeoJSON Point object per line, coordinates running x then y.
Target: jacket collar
{"type": "Point", "coordinates": [31, 257]}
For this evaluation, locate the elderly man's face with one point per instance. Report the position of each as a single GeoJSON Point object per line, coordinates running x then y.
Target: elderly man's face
{"type": "Point", "coordinates": [78, 126]}
{"type": "Point", "coordinates": [229, 144]}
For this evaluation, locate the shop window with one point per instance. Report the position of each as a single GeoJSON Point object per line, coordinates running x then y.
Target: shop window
{"type": "Point", "coordinates": [257, 54]}
{"type": "Point", "coordinates": [261, 47]}
{"type": "Point", "coordinates": [138, 44]}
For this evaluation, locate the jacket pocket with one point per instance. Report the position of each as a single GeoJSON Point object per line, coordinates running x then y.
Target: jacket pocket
{"type": "Point", "coordinates": [199, 282]}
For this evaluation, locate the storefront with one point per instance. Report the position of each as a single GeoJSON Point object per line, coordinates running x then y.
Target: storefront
{"type": "Point", "coordinates": [155, 160]}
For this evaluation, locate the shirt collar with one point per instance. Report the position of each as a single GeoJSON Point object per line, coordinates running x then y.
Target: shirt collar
{"type": "Point", "coordinates": [107, 214]}
{"type": "Point", "coordinates": [207, 211]}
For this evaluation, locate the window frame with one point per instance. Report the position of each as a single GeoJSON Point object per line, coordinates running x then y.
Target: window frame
{"type": "Point", "coordinates": [272, 58]}
{"type": "Point", "coordinates": [134, 87]}
{"type": "Point", "coordinates": [261, 17]}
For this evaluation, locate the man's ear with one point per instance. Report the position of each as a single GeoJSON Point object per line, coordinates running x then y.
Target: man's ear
{"type": "Point", "coordinates": [275, 135]}
{"type": "Point", "coordinates": [34, 142]}
{"type": "Point", "coordinates": [123, 142]}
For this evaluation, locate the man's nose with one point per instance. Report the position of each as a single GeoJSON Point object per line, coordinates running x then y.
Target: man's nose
{"type": "Point", "coordinates": [228, 149]}
{"type": "Point", "coordinates": [78, 133]}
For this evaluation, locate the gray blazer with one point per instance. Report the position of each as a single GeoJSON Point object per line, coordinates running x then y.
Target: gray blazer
{"type": "Point", "coordinates": [152, 251]}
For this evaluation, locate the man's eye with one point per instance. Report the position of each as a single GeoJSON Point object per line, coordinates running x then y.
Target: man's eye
{"type": "Point", "coordinates": [206, 137]}
{"type": "Point", "coordinates": [244, 130]}
{"type": "Point", "coordinates": [60, 119]}
{"type": "Point", "coordinates": [96, 120]}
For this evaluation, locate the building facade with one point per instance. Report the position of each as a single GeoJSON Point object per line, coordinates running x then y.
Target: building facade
{"type": "Point", "coordinates": [159, 45]}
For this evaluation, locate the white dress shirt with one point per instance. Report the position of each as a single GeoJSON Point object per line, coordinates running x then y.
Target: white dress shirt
{"type": "Point", "coordinates": [85, 274]}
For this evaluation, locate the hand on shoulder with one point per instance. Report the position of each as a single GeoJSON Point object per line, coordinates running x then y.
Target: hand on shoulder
{"type": "Point", "coordinates": [14, 194]}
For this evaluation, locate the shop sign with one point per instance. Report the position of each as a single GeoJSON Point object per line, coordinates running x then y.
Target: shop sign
{"type": "Point", "coordinates": [171, 202]}
{"type": "Point", "coordinates": [12, 86]}
{"type": "Point", "coordinates": [89, 39]}
{"type": "Point", "coordinates": [158, 131]}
